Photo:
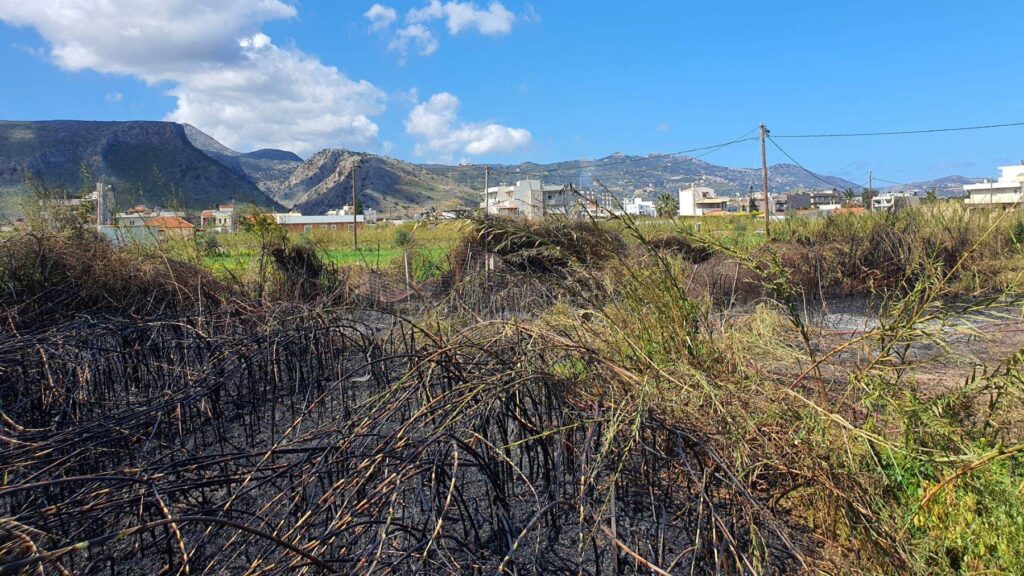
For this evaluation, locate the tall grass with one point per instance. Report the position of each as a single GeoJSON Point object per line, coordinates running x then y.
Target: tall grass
{"type": "Point", "coordinates": [580, 400]}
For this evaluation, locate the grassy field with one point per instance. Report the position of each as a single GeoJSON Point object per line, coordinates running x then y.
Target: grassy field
{"type": "Point", "coordinates": [556, 397]}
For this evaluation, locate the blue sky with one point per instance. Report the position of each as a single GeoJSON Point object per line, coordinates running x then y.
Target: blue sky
{"type": "Point", "coordinates": [546, 81]}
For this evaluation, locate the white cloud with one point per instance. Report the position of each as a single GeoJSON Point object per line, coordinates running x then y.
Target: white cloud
{"type": "Point", "coordinates": [436, 123]}
{"type": "Point", "coordinates": [114, 97]}
{"type": "Point", "coordinates": [496, 20]}
{"type": "Point", "coordinates": [380, 17]}
{"type": "Point", "coordinates": [664, 127]}
{"type": "Point", "coordinates": [230, 79]}
{"type": "Point", "coordinates": [530, 14]}
{"type": "Point", "coordinates": [459, 16]}
{"type": "Point", "coordinates": [418, 34]}
{"type": "Point", "coordinates": [280, 98]}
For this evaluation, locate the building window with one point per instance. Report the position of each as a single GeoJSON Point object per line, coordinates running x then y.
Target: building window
{"type": "Point", "coordinates": [307, 228]}
{"type": "Point", "coordinates": [334, 226]}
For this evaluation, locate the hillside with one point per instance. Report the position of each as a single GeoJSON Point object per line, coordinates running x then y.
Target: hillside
{"type": "Point", "coordinates": [625, 174]}
{"type": "Point", "coordinates": [325, 181]}
{"type": "Point", "coordinates": [157, 162]}
{"type": "Point", "coordinates": [945, 186]}
{"type": "Point", "coordinates": [150, 162]}
{"type": "Point", "coordinates": [268, 169]}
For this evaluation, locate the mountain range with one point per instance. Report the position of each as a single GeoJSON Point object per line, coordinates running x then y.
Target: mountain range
{"type": "Point", "coordinates": [162, 163]}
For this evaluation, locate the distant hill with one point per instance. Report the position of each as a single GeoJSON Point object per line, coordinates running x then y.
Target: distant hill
{"type": "Point", "coordinates": [156, 161]}
{"type": "Point", "coordinates": [624, 174]}
{"type": "Point", "coordinates": [325, 181]}
{"type": "Point", "coordinates": [945, 186]}
{"type": "Point", "coordinates": [144, 162]}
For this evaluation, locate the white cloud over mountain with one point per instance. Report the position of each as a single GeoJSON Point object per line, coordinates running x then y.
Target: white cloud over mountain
{"type": "Point", "coordinates": [228, 77]}
{"type": "Point", "coordinates": [233, 81]}
{"type": "Point", "coordinates": [437, 126]}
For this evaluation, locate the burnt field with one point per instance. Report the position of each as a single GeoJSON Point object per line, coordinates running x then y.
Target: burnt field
{"type": "Point", "coordinates": [599, 401]}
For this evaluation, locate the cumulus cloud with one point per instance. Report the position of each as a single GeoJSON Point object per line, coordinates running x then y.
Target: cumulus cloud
{"type": "Point", "coordinates": [457, 16]}
{"type": "Point", "coordinates": [114, 97]}
{"type": "Point", "coordinates": [229, 78]}
{"type": "Point", "coordinates": [381, 17]}
{"type": "Point", "coordinates": [416, 34]}
{"type": "Point", "coordinates": [280, 98]}
{"type": "Point", "coordinates": [436, 124]}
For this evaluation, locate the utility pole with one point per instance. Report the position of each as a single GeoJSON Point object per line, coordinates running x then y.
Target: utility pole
{"type": "Point", "coordinates": [871, 189]}
{"type": "Point", "coordinates": [487, 197]}
{"type": "Point", "coordinates": [487, 214]}
{"type": "Point", "coordinates": [764, 185]}
{"type": "Point", "coordinates": [355, 228]}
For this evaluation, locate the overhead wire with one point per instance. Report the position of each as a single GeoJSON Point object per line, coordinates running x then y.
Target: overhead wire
{"type": "Point", "coordinates": [802, 167]}
{"type": "Point", "coordinates": [902, 132]}
{"type": "Point", "coordinates": [590, 164]}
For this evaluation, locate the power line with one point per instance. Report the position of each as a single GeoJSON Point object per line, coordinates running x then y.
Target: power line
{"type": "Point", "coordinates": [594, 164]}
{"type": "Point", "coordinates": [902, 132]}
{"type": "Point", "coordinates": [801, 166]}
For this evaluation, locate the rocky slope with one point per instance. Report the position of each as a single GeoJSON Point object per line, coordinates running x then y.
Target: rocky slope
{"type": "Point", "coordinates": [150, 162]}
{"type": "Point", "coordinates": [324, 182]}
{"type": "Point", "coordinates": [267, 168]}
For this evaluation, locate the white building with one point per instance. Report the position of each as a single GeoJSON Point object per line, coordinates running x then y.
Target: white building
{"type": "Point", "coordinates": [700, 200]}
{"type": "Point", "coordinates": [1008, 190]}
{"type": "Point", "coordinates": [297, 223]}
{"type": "Point", "coordinates": [223, 219]}
{"type": "Point", "coordinates": [526, 198]}
{"type": "Point", "coordinates": [637, 206]}
{"type": "Point", "coordinates": [369, 214]}
{"type": "Point", "coordinates": [892, 200]}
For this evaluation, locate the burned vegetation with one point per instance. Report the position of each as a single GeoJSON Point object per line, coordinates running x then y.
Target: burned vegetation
{"type": "Point", "coordinates": [571, 404]}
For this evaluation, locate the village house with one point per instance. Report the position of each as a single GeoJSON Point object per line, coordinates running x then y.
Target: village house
{"type": "Point", "coordinates": [170, 228]}
{"type": "Point", "coordinates": [296, 223]}
{"type": "Point", "coordinates": [222, 219]}
{"type": "Point", "coordinates": [637, 206]}
{"type": "Point", "coordinates": [813, 200]}
{"type": "Point", "coordinates": [1006, 191]}
{"type": "Point", "coordinates": [893, 201]}
{"type": "Point", "coordinates": [369, 214]}
{"type": "Point", "coordinates": [700, 200]}
{"type": "Point", "coordinates": [526, 198]}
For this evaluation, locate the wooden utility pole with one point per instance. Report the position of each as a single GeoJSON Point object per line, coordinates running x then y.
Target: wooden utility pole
{"type": "Point", "coordinates": [764, 185]}
{"type": "Point", "coordinates": [355, 227]}
{"type": "Point", "coordinates": [871, 189]}
{"type": "Point", "coordinates": [487, 197]}
{"type": "Point", "coordinates": [487, 214]}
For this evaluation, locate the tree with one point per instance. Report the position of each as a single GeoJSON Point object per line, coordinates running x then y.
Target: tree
{"type": "Point", "coordinates": [666, 205]}
{"type": "Point", "coordinates": [268, 234]}
{"type": "Point", "coordinates": [358, 208]}
{"type": "Point", "coordinates": [88, 183]}
{"type": "Point", "coordinates": [932, 196]}
{"type": "Point", "coordinates": [867, 196]}
{"type": "Point", "coordinates": [849, 195]}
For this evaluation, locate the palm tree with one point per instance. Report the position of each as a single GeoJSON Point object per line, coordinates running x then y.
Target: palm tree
{"type": "Point", "coordinates": [666, 205]}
